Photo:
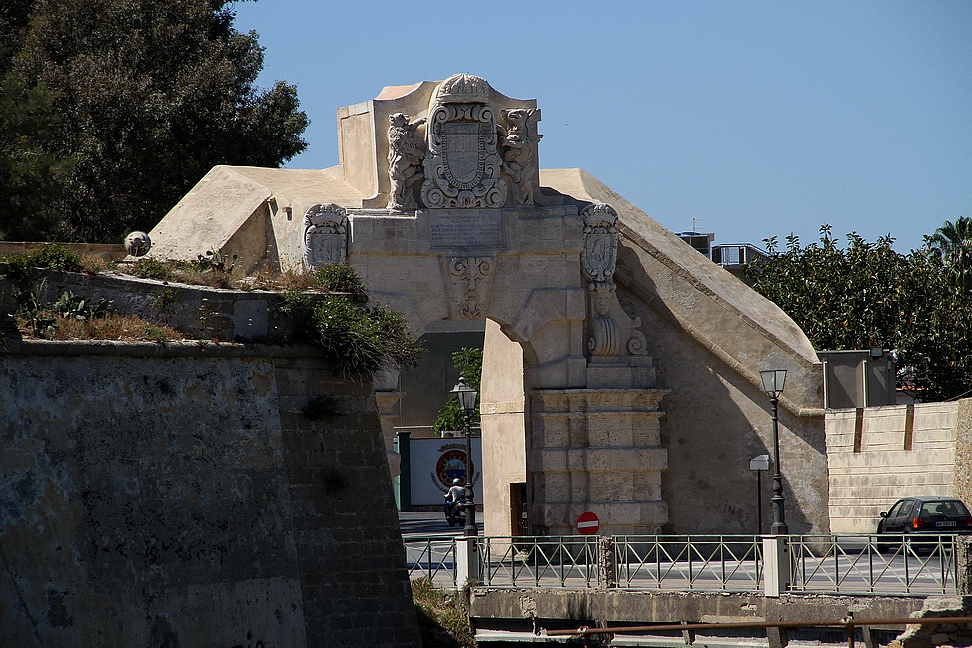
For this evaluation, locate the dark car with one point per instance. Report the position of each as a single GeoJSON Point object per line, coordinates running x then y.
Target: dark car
{"type": "Point", "coordinates": [924, 515]}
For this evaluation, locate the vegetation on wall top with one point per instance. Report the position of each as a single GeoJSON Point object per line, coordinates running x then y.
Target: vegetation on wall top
{"type": "Point", "coordinates": [361, 339]}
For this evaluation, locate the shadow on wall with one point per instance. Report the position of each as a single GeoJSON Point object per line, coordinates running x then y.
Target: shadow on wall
{"type": "Point", "coordinates": [715, 422]}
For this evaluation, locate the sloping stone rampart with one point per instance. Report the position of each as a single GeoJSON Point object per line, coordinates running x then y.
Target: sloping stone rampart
{"type": "Point", "coordinates": [178, 495]}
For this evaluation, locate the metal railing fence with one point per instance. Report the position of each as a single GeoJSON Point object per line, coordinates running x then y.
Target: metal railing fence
{"type": "Point", "coordinates": [535, 561]}
{"type": "Point", "coordinates": [872, 564]}
{"type": "Point", "coordinates": [823, 564]}
{"type": "Point", "coordinates": [433, 557]}
{"type": "Point", "coordinates": [727, 563]}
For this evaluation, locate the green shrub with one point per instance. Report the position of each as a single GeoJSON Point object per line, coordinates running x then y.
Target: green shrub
{"type": "Point", "coordinates": [53, 256]}
{"type": "Point", "coordinates": [297, 306]}
{"type": "Point", "coordinates": [339, 278]}
{"type": "Point", "coordinates": [39, 320]}
{"type": "Point", "coordinates": [80, 308]}
{"type": "Point", "coordinates": [152, 269]}
{"type": "Point", "coordinates": [361, 340]}
{"type": "Point", "coordinates": [18, 267]}
{"type": "Point", "coordinates": [214, 261]}
{"type": "Point", "coordinates": [57, 257]}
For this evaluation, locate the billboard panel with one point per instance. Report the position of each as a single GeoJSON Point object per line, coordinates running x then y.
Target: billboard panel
{"type": "Point", "coordinates": [436, 462]}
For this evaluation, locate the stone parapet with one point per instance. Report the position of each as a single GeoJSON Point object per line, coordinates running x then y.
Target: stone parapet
{"type": "Point", "coordinates": [198, 311]}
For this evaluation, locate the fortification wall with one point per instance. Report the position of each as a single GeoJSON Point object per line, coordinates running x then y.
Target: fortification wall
{"type": "Point", "coordinates": [186, 495]}
{"type": "Point", "coordinates": [201, 311]}
{"type": "Point", "coordinates": [877, 455]}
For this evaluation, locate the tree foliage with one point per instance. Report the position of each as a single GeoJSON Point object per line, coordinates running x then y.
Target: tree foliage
{"type": "Point", "coordinates": [111, 110]}
{"type": "Point", "coordinates": [470, 364]}
{"type": "Point", "coordinates": [952, 243]}
{"type": "Point", "coordinates": [866, 295]}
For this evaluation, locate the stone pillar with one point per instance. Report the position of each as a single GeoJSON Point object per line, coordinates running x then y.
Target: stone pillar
{"type": "Point", "coordinates": [597, 450]}
{"type": "Point", "coordinates": [963, 452]}
{"type": "Point", "coordinates": [963, 565]}
{"type": "Point", "coordinates": [776, 565]}
{"type": "Point", "coordinates": [607, 561]}
{"type": "Point", "coordinates": [467, 561]}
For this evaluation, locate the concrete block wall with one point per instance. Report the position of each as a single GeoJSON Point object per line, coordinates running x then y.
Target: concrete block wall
{"type": "Point", "coordinates": [877, 455]}
{"type": "Point", "coordinates": [178, 495]}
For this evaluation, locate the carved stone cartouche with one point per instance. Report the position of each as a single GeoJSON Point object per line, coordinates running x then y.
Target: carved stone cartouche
{"type": "Point", "coordinates": [608, 323]}
{"type": "Point", "coordinates": [462, 166]}
{"type": "Point", "coordinates": [325, 235]}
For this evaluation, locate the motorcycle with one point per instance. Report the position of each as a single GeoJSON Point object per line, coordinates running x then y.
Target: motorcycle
{"type": "Point", "coordinates": [457, 515]}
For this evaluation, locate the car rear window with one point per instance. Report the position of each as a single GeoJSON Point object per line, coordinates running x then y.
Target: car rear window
{"type": "Point", "coordinates": [951, 508]}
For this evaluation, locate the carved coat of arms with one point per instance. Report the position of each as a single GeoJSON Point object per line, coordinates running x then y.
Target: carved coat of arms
{"type": "Point", "coordinates": [462, 166]}
{"type": "Point", "coordinates": [325, 238]}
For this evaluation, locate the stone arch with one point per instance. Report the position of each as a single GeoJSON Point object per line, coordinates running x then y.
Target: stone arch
{"type": "Point", "coordinates": [440, 205]}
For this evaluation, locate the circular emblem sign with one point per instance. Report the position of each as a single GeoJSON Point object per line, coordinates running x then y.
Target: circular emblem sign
{"type": "Point", "coordinates": [451, 465]}
{"type": "Point", "coordinates": [587, 523]}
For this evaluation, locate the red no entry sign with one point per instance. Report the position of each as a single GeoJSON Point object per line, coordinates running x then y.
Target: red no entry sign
{"type": "Point", "coordinates": [587, 523]}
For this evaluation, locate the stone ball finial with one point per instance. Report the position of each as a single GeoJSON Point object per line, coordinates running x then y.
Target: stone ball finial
{"type": "Point", "coordinates": [138, 244]}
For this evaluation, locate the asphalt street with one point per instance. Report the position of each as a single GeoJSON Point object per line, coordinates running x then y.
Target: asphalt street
{"type": "Point", "coordinates": [424, 523]}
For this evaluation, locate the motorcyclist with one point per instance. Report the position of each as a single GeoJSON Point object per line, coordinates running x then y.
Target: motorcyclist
{"type": "Point", "coordinates": [455, 495]}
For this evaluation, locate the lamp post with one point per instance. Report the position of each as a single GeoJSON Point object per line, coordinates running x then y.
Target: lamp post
{"type": "Point", "coordinates": [773, 380]}
{"type": "Point", "coordinates": [467, 403]}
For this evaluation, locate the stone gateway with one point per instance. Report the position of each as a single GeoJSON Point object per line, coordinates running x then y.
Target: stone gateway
{"type": "Point", "coordinates": [621, 369]}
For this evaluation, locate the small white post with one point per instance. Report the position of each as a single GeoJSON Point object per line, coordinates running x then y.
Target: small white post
{"type": "Point", "coordinates": [467, 561]}
{"type": "Point", "coordinates": [776, 565]}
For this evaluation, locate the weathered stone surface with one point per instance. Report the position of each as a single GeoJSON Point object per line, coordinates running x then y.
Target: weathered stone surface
{"type": "Point", "coordinates": [176, 495]}
{"type": "Point", "coordinates": [928, 635]}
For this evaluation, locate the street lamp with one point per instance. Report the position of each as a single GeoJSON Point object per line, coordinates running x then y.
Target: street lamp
{"type": "Point", "coordinates": [773, 380]}
{"type": "Point", "coordinates": [467, 403]}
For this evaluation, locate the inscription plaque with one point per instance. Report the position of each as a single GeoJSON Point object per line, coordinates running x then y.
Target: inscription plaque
{"type": "Point", "coordinates": [460, 228]}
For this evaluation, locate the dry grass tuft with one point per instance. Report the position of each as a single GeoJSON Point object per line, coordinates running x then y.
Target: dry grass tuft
{"type": "Point", "coordinates": [442, 616]}
{"type": "Point", "coordinates": [128, 328]}
{"type": "Point", "coordinates": [95, 263]}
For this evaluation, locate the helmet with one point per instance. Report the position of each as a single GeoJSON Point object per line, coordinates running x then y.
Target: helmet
{"type": "Point", "coordinates": [456, 482]}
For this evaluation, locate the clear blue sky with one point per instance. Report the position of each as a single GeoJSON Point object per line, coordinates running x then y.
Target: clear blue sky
{"type": "Point", "coordinates": [748, 119]}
